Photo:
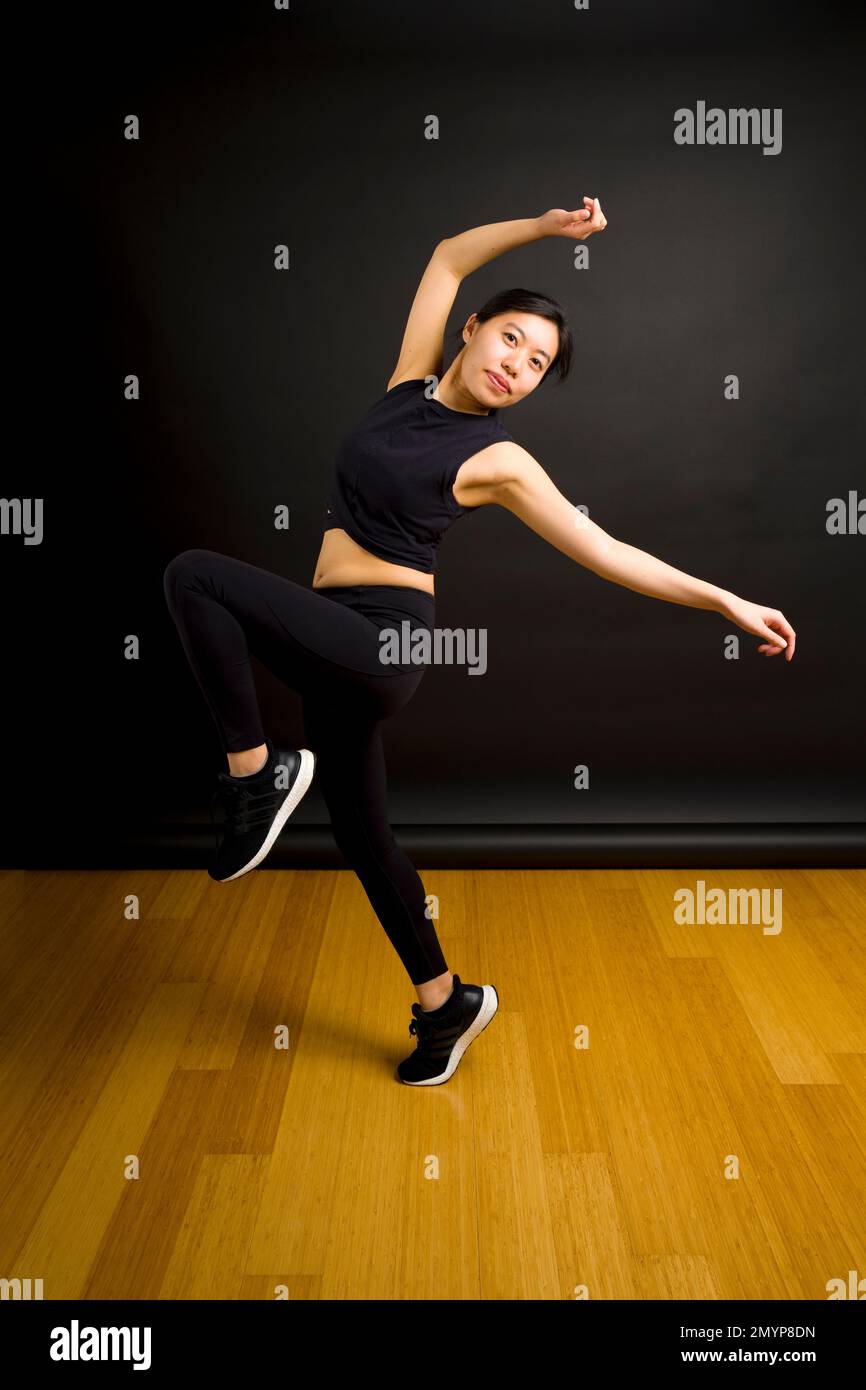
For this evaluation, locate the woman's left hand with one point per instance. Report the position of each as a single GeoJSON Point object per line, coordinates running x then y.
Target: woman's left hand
{"type": "Point", "coordinates": [764, 622]}
{"type": "Point", "coordinates": [577, 225]}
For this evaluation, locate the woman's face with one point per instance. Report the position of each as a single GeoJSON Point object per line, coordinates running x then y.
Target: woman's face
{"type": "Point", "coordinates": [513, 347]}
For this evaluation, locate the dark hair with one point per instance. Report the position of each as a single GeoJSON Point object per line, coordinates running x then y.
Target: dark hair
{"type": "Point", "coordinates": [531, 302]}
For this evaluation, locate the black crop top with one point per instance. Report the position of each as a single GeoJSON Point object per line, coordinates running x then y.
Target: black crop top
{"type": "Point", "coordinates": [391, 488]}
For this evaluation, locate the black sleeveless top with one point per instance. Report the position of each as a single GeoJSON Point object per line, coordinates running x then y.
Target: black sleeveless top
{"type": "Point", "coordinates": [392, 480]}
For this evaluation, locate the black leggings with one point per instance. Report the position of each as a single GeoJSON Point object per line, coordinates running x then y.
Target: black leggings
{"type": "Point", "coordinates": [323, 643]}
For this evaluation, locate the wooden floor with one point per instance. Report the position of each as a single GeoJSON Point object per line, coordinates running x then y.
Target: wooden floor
{"type": "Point", "coordinates": [709, 1142]}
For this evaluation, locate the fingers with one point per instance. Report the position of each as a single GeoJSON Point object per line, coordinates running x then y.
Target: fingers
{"type": "Point", "coordinates": [790, 634]}
{"type": "Point", "coordinates": [777, 622]}
{"type": "Point", "coordinates": [596, 222]}
{"type": "Point", "coordinates": [773, 624]}
{"type": "Point", "coordinates": [784, 637]}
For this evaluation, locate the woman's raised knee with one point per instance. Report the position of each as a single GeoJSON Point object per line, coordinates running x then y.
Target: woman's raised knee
{"type": "Point", "coordinates": [187, 560]}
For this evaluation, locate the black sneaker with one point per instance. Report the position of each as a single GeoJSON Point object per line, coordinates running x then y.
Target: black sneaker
{"type": "Point", "coordinates": [443, 1039]}
{"type": "Point", "coordinates": [256, 809]}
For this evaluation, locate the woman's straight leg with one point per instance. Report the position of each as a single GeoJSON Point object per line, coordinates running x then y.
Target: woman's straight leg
{"type": "Point", "coordinates": [347, 741]}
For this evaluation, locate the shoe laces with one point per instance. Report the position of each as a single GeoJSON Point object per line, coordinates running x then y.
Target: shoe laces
{"type": "Point", "coordinates": [422, 1030]}
{"type": "Point", "coordinates": [246, 808]}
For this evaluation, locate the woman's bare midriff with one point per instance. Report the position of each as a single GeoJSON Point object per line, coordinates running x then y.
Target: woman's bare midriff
{"type": "Point", "coordinates": [342, 561]}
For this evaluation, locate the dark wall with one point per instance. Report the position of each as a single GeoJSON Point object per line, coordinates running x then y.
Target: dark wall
{"type": "Point", "coordinates": [307, 127]}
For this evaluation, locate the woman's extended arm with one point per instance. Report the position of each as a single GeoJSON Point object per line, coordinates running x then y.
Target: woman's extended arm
{"type": "Point", "coordinates": [469, 250]}
{"type": "Point", "coordinates": [531, 495]}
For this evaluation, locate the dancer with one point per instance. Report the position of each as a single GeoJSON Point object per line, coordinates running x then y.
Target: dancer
{"type": "Point", "coordinates": [430, 450]}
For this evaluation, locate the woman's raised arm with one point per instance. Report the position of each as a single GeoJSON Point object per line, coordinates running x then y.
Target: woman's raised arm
{"type": "Point", "coordinates": [456, 257]}
{"type": "Point", "coordinates": [469, 250]}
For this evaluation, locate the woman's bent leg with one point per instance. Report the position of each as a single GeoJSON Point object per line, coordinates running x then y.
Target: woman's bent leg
{"type": "Point", "coordinates": [225, 610]}
{"type": "Point", "coordinates": [352, 775]}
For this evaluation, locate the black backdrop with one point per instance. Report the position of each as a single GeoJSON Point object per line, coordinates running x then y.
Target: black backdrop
{"type": "Point", "coordinates": [306, 127]}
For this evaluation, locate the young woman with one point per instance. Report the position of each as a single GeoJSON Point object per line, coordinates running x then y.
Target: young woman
{"type": "Point", "coordinates": [419, 459]}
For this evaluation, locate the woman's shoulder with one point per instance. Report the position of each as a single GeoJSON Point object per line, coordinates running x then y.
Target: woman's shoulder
{"type": "Point", "coordinates": [403, 383]}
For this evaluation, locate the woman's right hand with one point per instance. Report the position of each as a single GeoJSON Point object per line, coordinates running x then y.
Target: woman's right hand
{"type": "Point", "coordinates": [764, 622]}
{"type": "Point", "coordinates": [576, 225]}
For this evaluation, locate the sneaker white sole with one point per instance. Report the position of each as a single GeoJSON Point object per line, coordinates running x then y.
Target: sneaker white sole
{"type": "Point", "coordinates": [489, 1006]}
{"type": "Point", "coordinates": [301, 783]}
